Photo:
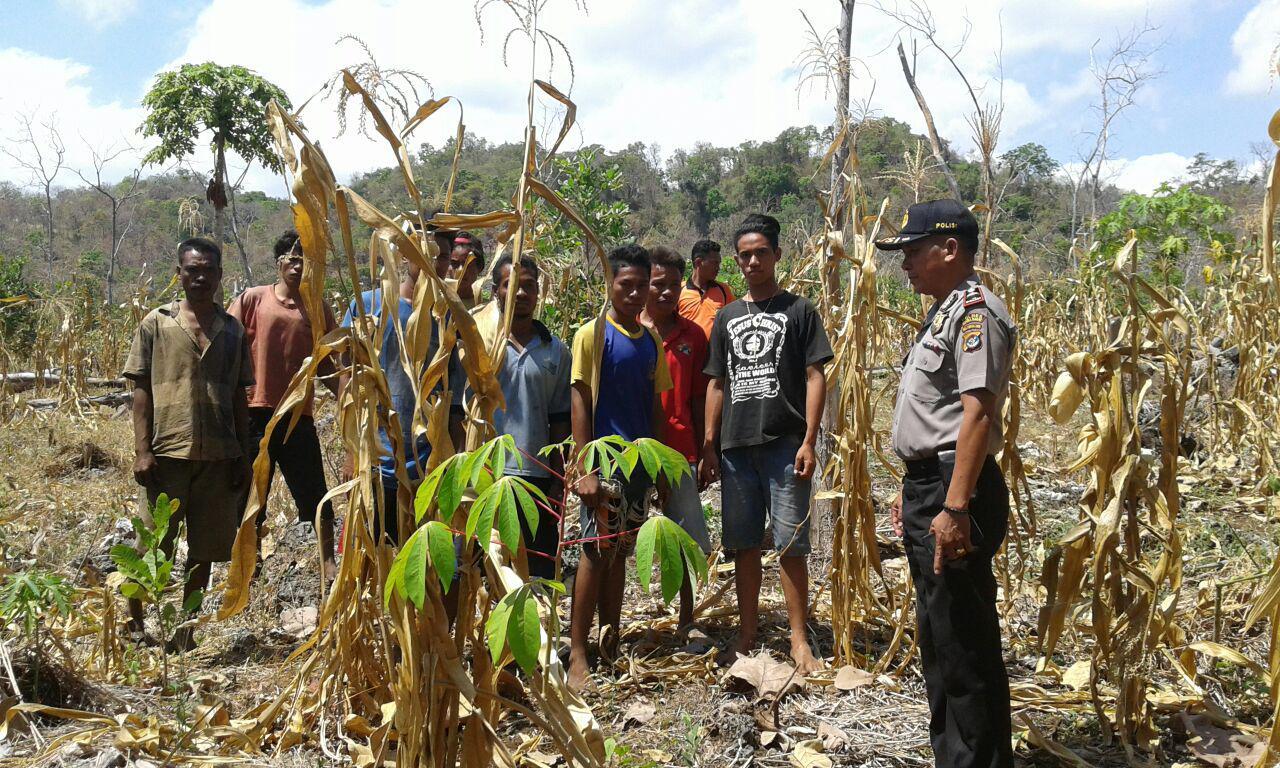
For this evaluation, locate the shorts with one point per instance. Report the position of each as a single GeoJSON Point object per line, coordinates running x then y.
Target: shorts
{"type": "Point", "coordinates": [208, 502]}
{"type": "Point", "coordinates": [684, 506]}
{"type": "Point", "coordinates": [758, 482]}
{"type": "Point", "coordinates": [625, 507]}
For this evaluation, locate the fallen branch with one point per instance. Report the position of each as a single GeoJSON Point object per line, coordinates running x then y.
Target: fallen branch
{"type": "Point", "coordinates": [21, 382]}
{"type": "Point", "coordinates": [112, 400]}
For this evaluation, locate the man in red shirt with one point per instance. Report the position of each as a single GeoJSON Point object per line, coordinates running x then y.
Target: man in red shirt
{"type": "Point", "coordinates": [702, 297]}
{"type": "Point", "coordinates": [279, 333]}
{"type": "Point", "coordinates": [685, 346]}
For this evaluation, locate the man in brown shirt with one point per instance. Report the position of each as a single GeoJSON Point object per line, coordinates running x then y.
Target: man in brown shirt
{"type": "Point", "coordinates": [279, 332]}
{"type": "Point", "coordinates": [190, 364]}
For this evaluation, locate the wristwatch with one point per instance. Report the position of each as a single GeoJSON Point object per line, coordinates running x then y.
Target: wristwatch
{"type": "Point", "coordinates": [955, 510]}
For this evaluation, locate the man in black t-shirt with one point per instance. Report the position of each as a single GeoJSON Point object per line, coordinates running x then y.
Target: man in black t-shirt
{"type": "Point", "coordinates": [764, 406]}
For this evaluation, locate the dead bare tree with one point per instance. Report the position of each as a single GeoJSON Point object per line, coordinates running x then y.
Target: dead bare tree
{"type": "Point", "coordinates": [984, 122]}
{"type": "Point", "coordinates": [935, 143]}
{"type": "Point", "coordinates": [42, 154]}
{"type": "Point", "coordinates": [828, 58]}
{"type": "Point", "coordinates": [117, 196]}
{"type": "Point", "coordinates": [1118, 78]}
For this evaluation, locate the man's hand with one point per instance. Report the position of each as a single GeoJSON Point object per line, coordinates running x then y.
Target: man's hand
{"type": "Point", "coordinates": [709, 469]}
{"type": "Point", "coordinates": [348, 469]}
{"type": "Point", "coordinates": [806, 462]}
{"type": "Point", "coordinates": [950, 539]}
{"type": "Point", "coordinates": [895, 514]}
{"type": "Point", "coordinates": [589, 491]}
{"type": "Point", "coordinates": [145, 468]}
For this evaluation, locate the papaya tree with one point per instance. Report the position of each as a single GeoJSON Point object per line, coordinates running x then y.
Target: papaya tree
{"type": "Point", "coordinates": [225, 104]}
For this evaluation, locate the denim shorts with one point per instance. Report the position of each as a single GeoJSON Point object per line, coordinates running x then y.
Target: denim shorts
{"type": "Point", "coordinates": [684, 506]}
{"type": "Point", "coordinates": [758, 482]}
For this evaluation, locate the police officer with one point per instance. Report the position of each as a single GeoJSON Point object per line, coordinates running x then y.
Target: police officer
{"type": "Point", "coordinates": [954, 507]}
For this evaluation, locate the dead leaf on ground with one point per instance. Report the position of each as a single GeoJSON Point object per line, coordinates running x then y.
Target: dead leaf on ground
{"type": "Point", "coordinates": [299, 622]}
{"type": "Point", "coordinates": [850, 677]}
{"type": "Point", "coordinates": [832, 738]}
{"type": "Point", "coordinates": [1221, 747]}
{"type": "Point", "coordinates": [808, 754]}
{"type": "Point", "coordinates": [764, 675]}
{"type": "Point", "coordinates": [639, 713]}
{"type": "Point", "coordinates": [1077, 675]}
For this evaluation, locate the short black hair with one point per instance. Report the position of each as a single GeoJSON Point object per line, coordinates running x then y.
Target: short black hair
{"type": "Point", "coordinates": [200, 245]}
{"type": "Point", "coordinates": [473, 245]}
{"type": "Point", "coordinates": [664, 256]}
{"type": "Point", "coordinates": [702, 248]}
{"type": "Point", "coordinates": [631, 255]}
{"type": "Point", "coordinates": [286, 243]}
{"type": "Point", "coordinates": [758, 224]}
{"type": "Point", "coordinates": [526, 262]}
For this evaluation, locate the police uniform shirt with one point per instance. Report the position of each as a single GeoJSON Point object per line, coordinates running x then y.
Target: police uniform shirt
{"type": "Point", "coordinates": [965, 345]}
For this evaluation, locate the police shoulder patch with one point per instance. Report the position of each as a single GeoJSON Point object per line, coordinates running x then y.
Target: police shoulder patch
{"type": "Point", "coordinates": [974, 297]}
{"type": "Point", "coordinates": [971, 329]}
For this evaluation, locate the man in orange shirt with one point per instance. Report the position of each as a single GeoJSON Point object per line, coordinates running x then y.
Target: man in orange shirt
{"type": "Point", "coordinates": [703, 296]}
{"type": "Point", "coordinates": [279, 333]}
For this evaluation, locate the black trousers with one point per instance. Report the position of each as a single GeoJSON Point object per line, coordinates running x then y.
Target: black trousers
{"type": "Point", "coordinates": [959, 629]}
{"type": "Point", "coordinates": [543, 545]}
{"type": "Point", "coordinates": [299, 461]}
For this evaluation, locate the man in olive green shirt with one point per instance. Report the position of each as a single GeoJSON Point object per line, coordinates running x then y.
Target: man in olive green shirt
{"type": "Point", "coordinates": [190, 364]}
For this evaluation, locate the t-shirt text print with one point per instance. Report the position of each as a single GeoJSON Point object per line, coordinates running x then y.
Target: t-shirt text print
{"type": "Point", "coordinates": [757, 341]}
{"type": "Point", "coordinates": [762, 352]}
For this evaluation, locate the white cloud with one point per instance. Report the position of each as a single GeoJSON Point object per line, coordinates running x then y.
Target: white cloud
{"type": "Point", "coordinates": [54, 91]}
{"type": "Point", "coordinates": [670, 74]}
{"type": "Point", "coordinates": [100, 13]}
{"type": "Point", "coordinates": [1142, 174]}
{"type": "Point", "coordinates": [1256, 43]}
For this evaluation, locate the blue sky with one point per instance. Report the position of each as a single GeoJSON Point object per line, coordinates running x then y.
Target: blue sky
{"type": "Point", "coordinates": [673, 74]}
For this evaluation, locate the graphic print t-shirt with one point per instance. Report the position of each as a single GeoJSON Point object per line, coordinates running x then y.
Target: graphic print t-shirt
{"type": "Point", "coordinates": [762, 351]}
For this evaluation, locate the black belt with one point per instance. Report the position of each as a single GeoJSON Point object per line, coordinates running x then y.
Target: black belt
{"type": "Point", "coordinates": [929, 466]}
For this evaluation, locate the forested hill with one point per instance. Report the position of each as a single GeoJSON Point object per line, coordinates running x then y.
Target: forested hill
{"type": "Point", "coordinates": [639, 192]}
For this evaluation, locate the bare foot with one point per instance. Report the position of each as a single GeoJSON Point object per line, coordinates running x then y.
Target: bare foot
{"type": "Point", "coordinates": [745, 644]}
{"type": "Point", "coordinates": [806, 662]}
{"type": "Point", "coordinates": [579, 672]}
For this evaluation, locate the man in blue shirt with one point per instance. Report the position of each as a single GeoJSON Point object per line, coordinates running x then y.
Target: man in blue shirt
{"type": "Point", "coordinates": [534, 375]}
{"type": "Point", "coordinates": [619, 375]}
{"type": "Point", "coordinates": [403, 401]}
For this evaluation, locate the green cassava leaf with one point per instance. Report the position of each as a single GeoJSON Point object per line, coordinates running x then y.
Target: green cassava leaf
{"type": "Point", "coordinates": [414, 553]}
{"type": "Point", "coordinates": [133, 590]}
{"type": "Point", "coordinates": [193, 601]}
{"type": "Point", "coordinates": [526, 492]}
{"type": "Point", "coordinates": [694, 557]}
{"type": "Point", "coordinates": [443, 556]}
{"type": "Point", "coordinates": [483, 510]}
{"type": "Point", "coordinates": [452, 485]}
{"type": "Point", "coordinates": [508, 517]}
{"type": "Point", "coordinates": [670, 562]}
{"type": "Point", "coordinates": [645, 541]}
{"type": "Point", "coordinates": [395, 580]}
{"type": "Point", "coordinates": [649, 458]}
{"type": "Point", "coordinates": [495, 629]}
{"type": "Point", "coordinates": [524, 632]}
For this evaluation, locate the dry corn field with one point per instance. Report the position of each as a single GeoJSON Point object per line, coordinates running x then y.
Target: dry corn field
{"type": "Point", "coordinates": [1140, 584]}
